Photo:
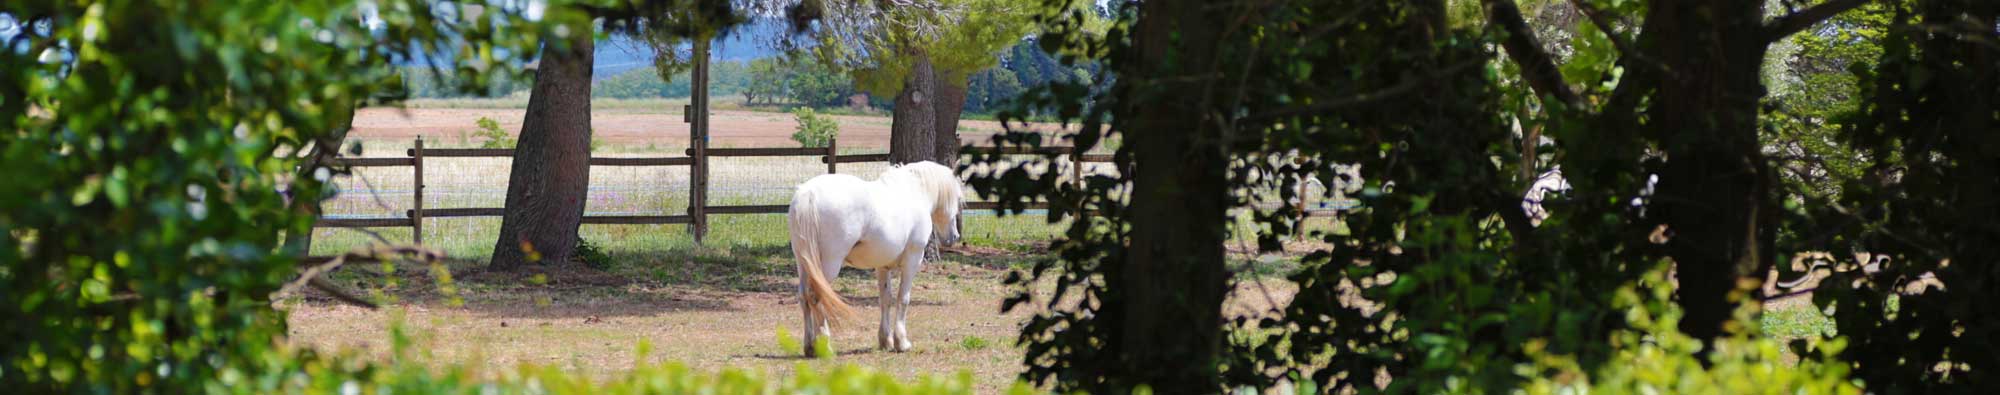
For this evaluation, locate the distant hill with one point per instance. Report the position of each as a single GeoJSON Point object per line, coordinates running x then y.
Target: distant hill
{"type": "Point", "coordinates": [617, 55]}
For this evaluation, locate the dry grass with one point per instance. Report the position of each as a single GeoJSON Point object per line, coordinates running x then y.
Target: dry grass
{"type": "Point", "coordinates": [595, 328]}
{"type": "Point", "coordinates": [721, 307]}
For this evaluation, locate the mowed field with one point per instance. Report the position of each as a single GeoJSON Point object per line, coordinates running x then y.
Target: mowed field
{"type": "Point", "coordinates": [632, 124]}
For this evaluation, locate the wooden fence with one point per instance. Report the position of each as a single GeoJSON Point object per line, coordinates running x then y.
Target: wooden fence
{"type": "Point", "coordinates": [697, 160]}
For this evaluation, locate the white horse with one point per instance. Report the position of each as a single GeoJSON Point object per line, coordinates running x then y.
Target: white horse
{"type": "Point", "coordinates": [840, 220]}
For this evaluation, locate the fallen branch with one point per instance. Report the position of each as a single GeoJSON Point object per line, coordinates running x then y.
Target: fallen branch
{"type": "Point", "coordinates": [311, 276]}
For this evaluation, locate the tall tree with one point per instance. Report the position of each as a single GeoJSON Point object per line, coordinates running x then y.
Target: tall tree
{"type": "Point", "coordinates": [550, 176]}
{"type": "Point", "coordinates": [1441, 242]}
{"type": "Point", "coordinates": [1176, 261]}
{"type": "Point", "coordinates": [912, 130]}
{"type": "Point", "coordinates": [1692, 88]}
{"type": "Point", "coordinates": [922, 53]}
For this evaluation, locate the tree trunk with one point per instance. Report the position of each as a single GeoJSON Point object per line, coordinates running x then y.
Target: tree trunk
{"type": "Point", "coordinates": [1714, 191]}
{"type": "Point", "coordinates": [324, 149]}
{"type": "Point", "coordinates": [1173, 280]}
{"type": "Point", "coordinates": [914, 122]}
{"type": "Point", "coordinates": [551, 172]}
{"type": "Point", "coordinates": [949, 106]}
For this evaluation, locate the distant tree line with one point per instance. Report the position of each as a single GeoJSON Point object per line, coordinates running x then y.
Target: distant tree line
{"type": "Point", "coordinates": [780, 81]}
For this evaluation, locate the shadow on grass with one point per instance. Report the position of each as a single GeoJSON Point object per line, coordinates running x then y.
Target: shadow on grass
{"type": "Point", "coordinates": [730, 268]}
{"type": "Point", "coordinates": [645, 281]}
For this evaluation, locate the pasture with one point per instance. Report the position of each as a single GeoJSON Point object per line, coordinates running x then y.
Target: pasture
{"type": "Point", "coordinates": [726, 302]}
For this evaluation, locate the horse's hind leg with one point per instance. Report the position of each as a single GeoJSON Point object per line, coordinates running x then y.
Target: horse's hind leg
{"type": "Point", "coordinates": [833, 255]}
{"type": "Point", "coordinates": [883, 295]}
{"type": "Point", "coordinates": [809, 330]}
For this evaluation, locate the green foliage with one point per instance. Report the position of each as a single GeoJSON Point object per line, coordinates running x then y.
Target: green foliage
{"type": "Point", "coordinates": [787, 344]}
{"type": "Point", "coordinates": [767, 81]}
{"type": "Point", "coordinates": [973, 343]}
{"type": "Point", "coordinates": [725, 78]}
{"type": "Point", "coordinates": [1654, 357]}
{"type": "Point", "coordinates": [879, 44]}
{"type": "Point", "coordinates": [990, 90]}
{"type": "Point", "coordinates": [1925, 127]}
{"type": "Point", "coordinates": [1811, 90]}
{"type": "Point", "coordinates": [814, 130]}
{"type": "Point", "coordinates": [425, 82]}
{"type": "Point", "coordinates": [591, 255]}
{"type": "Point", "coordinates": [816, 85]}
{"type": "Point", "coordinates": [491, 135]}
{"type": "Point", "coordinates": [153, 151]}
{"type": "Point", "coordinates": [1440, 281]}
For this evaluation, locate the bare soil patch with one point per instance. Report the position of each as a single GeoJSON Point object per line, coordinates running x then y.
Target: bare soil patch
{"type": "Point", "coordinates": [640, 127]}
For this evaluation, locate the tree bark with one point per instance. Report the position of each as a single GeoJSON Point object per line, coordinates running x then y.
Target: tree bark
{"type": "Point", "coordinates": [324, 149]}
{"type": "Point", "coordinates": [1173, 280]}
{"type": "Point", "coordinates": [551, 171]}
{"type": "Point", "coordinates": [914, 122]}
{"type": "Point", "coordinates": [1714, 192]}
{"type": "Point", "coordinates": [949, 106]}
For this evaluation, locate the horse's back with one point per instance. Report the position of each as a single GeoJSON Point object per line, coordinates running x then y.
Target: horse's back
{"type": "Point", "coordinates": [871, 220]}
{"type": "Point", "coordinates": [832, 190]}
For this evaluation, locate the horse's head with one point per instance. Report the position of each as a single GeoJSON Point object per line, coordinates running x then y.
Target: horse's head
{"type": "Point", "coordinates": [946, 195]}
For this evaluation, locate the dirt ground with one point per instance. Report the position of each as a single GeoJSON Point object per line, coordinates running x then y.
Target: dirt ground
{"type": "Point", "coordinates": [639, 126]}
{"type": "Point", "coordinates": [593, 322]}
{"type": "Point", "coordinates": [595, 326]}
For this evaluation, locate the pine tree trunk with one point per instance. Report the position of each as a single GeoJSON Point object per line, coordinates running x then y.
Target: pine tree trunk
{"type": "Point", "coordinates": [950, 105]}
{"type": "Point", "coordinates": [914, 122]}
{"type": "Point", "coordinates": [1714, 192]}
{"type": "Point", "coordinates": [551, 171]}
{"type": "Point", "coordinates": [1173, 280]}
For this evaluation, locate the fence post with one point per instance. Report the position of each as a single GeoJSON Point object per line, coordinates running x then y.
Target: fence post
{"type": "Point", "coordinates": [417, 203]}
{"type": "Point", "coordinates": [699, 129]}
{"type": "Point", "coordinates": [1304, 214]}
{"type": "Point", "coordinates": [1076, 168]}
{"type": "Point", "coordinates": [832, 156]}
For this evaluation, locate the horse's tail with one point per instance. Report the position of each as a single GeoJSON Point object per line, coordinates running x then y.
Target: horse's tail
{"type": "Point", "coordinates": [818, 296]}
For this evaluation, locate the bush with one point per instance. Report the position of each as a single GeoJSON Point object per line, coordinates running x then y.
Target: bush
{"type": "Point", "coordinates": [591, 255]}
{"type": "Point", "coordinates": [1654, 357]}
{"type": "Point", "coordinates": [154, 179]}
{"type": "Point", "coordinates": [492, 136]}
{"type": "Point", "coordinates": [814, 130]}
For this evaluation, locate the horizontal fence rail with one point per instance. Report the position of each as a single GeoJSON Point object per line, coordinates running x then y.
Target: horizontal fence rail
{"type": "Point", "coordinates": [696, 159]}
{"type": "Point", "coordinates": [721, 152]}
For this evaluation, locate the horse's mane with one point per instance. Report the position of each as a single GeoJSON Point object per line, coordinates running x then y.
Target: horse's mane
{"type": "Point", "coordinates": [937, 181]}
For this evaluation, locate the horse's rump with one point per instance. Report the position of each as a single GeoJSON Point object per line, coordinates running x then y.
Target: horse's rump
{"type": "Point", "coordinates": [818, 293]}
